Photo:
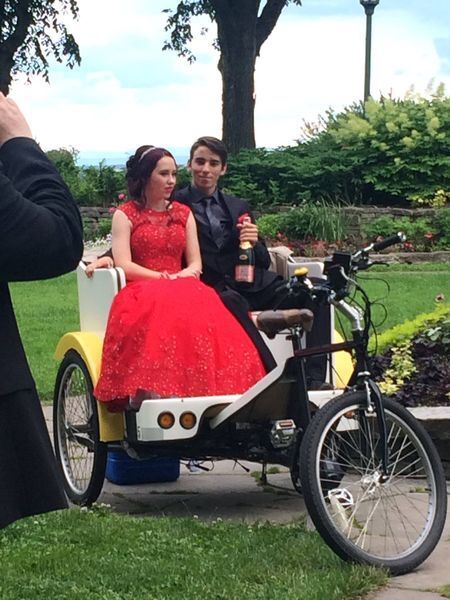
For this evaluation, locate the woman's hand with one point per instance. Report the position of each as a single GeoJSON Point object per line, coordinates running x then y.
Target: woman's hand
{"type": "Point", "coordinates": [105, 262]}
{"type": "Point", "coordinates": [189, 272]}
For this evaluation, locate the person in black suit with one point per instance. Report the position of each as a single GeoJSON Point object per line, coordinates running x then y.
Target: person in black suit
{"type": "Point", "coordinates": [40, 237]}
{"type": "Point", "coordinates": [220, 232]}
{"type": "Point", "coordinates": [219, 246]}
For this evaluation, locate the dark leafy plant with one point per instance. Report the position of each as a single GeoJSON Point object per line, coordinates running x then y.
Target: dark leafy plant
{"type": "Point", "coordinates": [429, 383]}
{"type": "Point", "coordinates": [442, 225]}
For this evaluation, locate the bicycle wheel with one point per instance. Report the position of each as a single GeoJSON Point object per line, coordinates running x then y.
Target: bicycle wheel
{"type": "Point", "coordinates": [80, 454]}
{"type": "Point", "coordinates": [393, 524]}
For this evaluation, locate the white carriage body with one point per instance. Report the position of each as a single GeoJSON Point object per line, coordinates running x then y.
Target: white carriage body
{"type": "Point", "coordinates": [263, 400]}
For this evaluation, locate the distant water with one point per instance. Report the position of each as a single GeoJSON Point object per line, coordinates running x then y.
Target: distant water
{"type": "Point", "coordinates": [118, 159]}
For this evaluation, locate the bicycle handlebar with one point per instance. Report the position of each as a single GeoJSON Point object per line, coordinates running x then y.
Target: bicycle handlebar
{"type": "Point", "coordinates": [397, 238]}
{"type": "Point", "coordinates": [389, 241]}
{"type": "Point", "coordinates": [337, 270]}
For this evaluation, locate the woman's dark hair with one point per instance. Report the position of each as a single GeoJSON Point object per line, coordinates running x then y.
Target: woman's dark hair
{"type": "Point", "coordinates": [140, 166]}
{"type": "Point", "coordinates": [213, 144]}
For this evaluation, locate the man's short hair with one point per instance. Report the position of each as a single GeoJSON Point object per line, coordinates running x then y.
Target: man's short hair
{"type": "Point", "coordinates": [213, 144]}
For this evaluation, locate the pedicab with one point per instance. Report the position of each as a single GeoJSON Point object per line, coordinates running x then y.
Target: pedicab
{"type": "Point", "coordinates": [371, 478]}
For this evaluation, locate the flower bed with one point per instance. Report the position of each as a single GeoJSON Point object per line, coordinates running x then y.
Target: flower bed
{"type": "Point", "coordinates": [413, 365]}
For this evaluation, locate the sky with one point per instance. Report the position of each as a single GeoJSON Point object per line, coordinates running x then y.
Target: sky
{"type": "Point", "coordinates": [128, 92]}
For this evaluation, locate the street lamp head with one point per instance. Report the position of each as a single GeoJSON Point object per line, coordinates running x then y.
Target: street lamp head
{"type": "Point", "coordinates": [369, 5]}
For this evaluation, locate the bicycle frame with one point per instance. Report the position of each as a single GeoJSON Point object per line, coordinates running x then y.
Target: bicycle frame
{"type": "Point", "coordinates": [360, 378]}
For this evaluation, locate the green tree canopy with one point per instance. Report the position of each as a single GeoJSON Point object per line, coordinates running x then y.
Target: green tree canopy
{"type": "Point", "coordinates": [387, 152]}
{"type": "Point", "coordinates": [31, 31]}
{"type": "Point", "coordinates": [242, 28]}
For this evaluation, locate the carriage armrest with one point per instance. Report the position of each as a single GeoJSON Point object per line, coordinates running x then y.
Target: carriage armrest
{"type": "Point", "coordinates": [282, 262]}
{"type": "Point", "coordinates": [279, 256]}
{"type": "Point", "coordinates": [95, 296]}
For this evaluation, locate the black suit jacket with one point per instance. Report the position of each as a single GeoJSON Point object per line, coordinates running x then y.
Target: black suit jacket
{"type": "Point", "coordinates": [218, 265]}
{"type": "Point", "coordinates": [40, 237]}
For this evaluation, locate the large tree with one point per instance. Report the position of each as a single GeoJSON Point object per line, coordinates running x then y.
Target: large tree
{"type": "Point", "coordinates": [30, 32]}
{"type": "Point", "coordinates": [242, 28]}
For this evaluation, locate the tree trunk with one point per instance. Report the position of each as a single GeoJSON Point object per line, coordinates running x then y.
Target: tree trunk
{"type": "Point", "coordinates": [236, 29]}
{"type": "Point", "coordinates": [238, 100]}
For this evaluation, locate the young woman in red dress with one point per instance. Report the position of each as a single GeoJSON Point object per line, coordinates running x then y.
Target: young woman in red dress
{"type": "Point", "coordinates": [167, 333]}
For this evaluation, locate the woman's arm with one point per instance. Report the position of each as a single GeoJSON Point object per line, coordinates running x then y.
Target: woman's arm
{"type": "Point", "coordinates": [192, 252]}
{"type": "Point", "coordinates": [121, 248]}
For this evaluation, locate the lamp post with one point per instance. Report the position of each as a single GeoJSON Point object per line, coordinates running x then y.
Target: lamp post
{"type": "Point", "coordinates": [369, 8]}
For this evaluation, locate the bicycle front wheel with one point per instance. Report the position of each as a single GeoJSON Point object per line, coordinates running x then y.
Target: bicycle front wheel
{"type": "Point", "coordinates": [392, 522]}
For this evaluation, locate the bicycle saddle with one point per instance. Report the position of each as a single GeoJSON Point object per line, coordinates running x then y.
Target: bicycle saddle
{"type": "Point", "coordinates": [272, 322]}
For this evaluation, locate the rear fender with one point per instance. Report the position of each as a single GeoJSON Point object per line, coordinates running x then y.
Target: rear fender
{"type": "Point", "coordinates": [89, 346]}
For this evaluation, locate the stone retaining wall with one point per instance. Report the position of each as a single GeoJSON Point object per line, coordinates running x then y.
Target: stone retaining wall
{"type": "Point", "coordinates": [356, 216]}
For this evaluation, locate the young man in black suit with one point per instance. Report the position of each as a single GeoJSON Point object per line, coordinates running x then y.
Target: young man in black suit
{"type": "Point", "coordinates": [40, 236]}
{"type": "Point", "coordinates": [219, 237]}
{"type": "Point", "coordinates": [220, 232]}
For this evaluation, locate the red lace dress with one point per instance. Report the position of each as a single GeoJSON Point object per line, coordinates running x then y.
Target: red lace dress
{"type": "Point", "coordinates": [171, 337]}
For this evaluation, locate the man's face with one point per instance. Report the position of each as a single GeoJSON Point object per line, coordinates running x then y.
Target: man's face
{"type": "Point", "coordinates": [206, 168]}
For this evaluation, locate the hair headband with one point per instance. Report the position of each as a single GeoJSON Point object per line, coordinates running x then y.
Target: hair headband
{"type": "Point", "coordinates": [147, 152]}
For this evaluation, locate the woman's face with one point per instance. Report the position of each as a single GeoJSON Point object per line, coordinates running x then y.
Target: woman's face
{"type": "Point", "coordinates": [162, 180]}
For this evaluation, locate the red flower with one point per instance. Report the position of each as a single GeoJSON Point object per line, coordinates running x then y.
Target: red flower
{"type": "Point", "coordinates": [121, 197]}
{"type": "Point", "coordinates": [408, 247]}
{"type": "Point", "coordinates": [242, 218]}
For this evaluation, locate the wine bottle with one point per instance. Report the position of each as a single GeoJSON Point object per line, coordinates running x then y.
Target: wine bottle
{"type": "Point", "coordinates": [244, 272]}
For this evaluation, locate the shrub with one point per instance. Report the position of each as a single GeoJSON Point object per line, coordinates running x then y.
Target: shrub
{"type": "Point", "coordinates": [403, 144]}
{"type": "Point", "coordinates": [390, 151]}
{"type": "Point", "coordinates": [183, 178]}
{"type": "Point", "coordinates": [317, 220]}
{"type": "Point", "coordinates": [442, 225]}
{"type": "Point", "coordinates": [270, 225]}
{"type": "Point", "coordinates": [90, 186]}
{"type": "Point", "coordinates": [406, 331]}
{"type": "Point", "coordinates": [103, 228]}
{"type": "Point", "coordinates": [421, 233]}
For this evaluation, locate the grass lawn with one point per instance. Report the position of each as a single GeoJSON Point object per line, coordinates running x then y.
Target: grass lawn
{"type": "Point", "coordinates": [409, 294]}
{"type": "Point", "coordinates": [47, 309]}
{"type": "Point", "coordinates": [76, 555]}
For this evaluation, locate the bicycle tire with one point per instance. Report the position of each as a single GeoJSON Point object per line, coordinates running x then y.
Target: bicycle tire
{"type": "Point", "coordinates": [79, 452]}
{"type": "Point", "coordinates": [394, 524]}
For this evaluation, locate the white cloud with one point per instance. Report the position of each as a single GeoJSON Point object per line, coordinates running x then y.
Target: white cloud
{"type": "Point", "coordinates": [311, 65]}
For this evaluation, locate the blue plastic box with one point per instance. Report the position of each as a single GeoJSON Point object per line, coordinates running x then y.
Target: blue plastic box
{"type": "Point", "coordinates": [123, 470]}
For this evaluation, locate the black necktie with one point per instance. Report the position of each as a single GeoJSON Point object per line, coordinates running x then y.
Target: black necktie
{"type": "Point", "coordinates": [212, 211]}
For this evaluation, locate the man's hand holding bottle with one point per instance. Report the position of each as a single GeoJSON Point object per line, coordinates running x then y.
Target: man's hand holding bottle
{"type": "Point", "coordinates": [248, 231]}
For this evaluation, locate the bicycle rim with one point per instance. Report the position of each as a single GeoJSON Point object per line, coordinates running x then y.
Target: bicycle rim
{"type": "Point", "coordinates": [82, 458]}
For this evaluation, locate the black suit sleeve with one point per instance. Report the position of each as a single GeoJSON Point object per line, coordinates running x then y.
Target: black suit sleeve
{"type": "Point", "coordinates": [41, 233]}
